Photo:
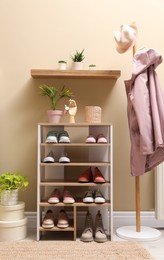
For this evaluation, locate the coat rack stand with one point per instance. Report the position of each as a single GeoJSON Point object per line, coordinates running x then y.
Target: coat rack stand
{"type": "Point", "coordinates": [138, 232]}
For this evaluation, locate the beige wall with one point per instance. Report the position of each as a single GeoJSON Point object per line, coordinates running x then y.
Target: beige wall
{"type": "Point", "coordinates": [36, 34]}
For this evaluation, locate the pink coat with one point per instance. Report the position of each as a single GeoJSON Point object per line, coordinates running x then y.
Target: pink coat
{"type": "Point", "coordinates": [145, 110]}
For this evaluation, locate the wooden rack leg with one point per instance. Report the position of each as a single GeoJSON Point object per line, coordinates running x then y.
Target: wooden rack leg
{"type": "Point", "coordinates": [137, 186]}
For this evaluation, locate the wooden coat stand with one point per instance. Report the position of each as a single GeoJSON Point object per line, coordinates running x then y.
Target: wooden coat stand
{"type": "Point", "coordinates": [138, 232]}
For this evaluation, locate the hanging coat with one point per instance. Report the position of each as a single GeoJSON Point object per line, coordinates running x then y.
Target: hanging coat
{"type": "Point", "coordinates": [145, 109]}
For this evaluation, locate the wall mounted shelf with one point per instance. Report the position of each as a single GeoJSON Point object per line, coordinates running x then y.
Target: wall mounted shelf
{"type": "Point", "coordinates": [75, 74]}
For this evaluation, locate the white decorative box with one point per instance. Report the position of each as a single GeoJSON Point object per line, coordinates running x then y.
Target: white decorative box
{"type": "Point", "coordinates": [13, 230]}
{"type": "Point", "coordinates": [12, 213]}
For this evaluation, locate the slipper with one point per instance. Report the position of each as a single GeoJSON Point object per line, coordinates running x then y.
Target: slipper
{"type": "Point", "coordinates": [90, 139]}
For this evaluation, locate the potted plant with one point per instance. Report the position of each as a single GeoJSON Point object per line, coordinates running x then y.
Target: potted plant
{"type": "Point", "coordinates": [92, 66]}
{"type": "Point", "coordinates": [10, 184]}
{"type": "Point", "coordinates": [62, 65]}
{"type": "Point", "coordinates": [77, 59]}
{"type": "Point", "coordinates": [55, 95]}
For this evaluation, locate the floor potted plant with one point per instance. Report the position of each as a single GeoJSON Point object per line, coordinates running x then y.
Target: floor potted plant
{"type": "Point", "coordinates": [55, 95]}
{"type": "Point", "coordinates": [10, 184]}
{"type": "Point", "coordinates": [77, 59]}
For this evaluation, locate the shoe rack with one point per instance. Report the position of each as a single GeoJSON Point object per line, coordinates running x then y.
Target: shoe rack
{"type": "Point", "coordinates": [65, 175]}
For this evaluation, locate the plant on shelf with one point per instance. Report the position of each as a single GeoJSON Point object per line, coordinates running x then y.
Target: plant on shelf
{"type": "Point", "coordinates": [77, 59]}
{"type": "Point", "coordinates": [62, 65]}
{"type": "Point", "coordinates": [10, 184]}
{"type": "Point", "coordinates": [55, 95]}
{"type": "Point", "coordinates": [92, 66]}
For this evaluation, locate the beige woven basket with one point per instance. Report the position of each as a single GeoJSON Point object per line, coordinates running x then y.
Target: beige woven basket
{"type": "Point", "coordinates": [93, 114]}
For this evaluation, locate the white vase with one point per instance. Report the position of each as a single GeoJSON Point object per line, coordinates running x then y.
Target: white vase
{"type": "Point", "coordinates": [54, 116]}
{"type": "Point", "coordinates": [77, 65]}
{"type": "Point", "coordinates": [62, 66]}
{"type": "Point", "coordinates": [9, 197]}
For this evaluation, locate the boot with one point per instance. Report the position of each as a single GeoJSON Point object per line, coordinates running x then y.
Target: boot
{"type": "Point", "coordinates": [100, 235]}
{"type": "Point", "coordinates": [87, 235]}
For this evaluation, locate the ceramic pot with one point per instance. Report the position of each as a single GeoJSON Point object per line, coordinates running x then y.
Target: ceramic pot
{"type": "Point", "coordinates": [62, 65]}
{"type": "Point", "coordinates": [54, 116]}
{"type": "Point", "coordinates": [9, 197]}
{"type": "Point", "coordinates": [77, 65]}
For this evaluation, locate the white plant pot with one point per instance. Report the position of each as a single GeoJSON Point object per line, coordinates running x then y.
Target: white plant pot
{"type": "Point", "coordinates": [62, 66]}
{"type": "Point", "coordinates": [12, 213]}
{"type": "Point", "coordinates": [9, 197]}
{"type": "Point", "coordinates": [54, 116]}
{"type": "Point", "coordinates": [77, 65]}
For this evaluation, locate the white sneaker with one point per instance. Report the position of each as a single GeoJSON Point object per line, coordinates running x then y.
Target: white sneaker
{"type": "Point", "coordinates": [49, 158]}
{"type": "Point", "coordinates": [64, 159]}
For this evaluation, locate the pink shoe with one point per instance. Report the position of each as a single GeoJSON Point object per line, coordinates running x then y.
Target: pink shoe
{"type": "Point", "coordinates": [54, 197]}
{"type": "Point", "coordinates": [98, 176]}
{"type": "Point", "coordinates": [67, 197]}
{"type": "Point", "coordinates": [86, 176]}
{"type": "Point", "coordinates": [101, 139]}
{"type": "Point", "coordinates": [90, 139]}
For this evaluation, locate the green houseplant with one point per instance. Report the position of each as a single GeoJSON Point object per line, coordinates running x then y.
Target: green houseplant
{"type": "Point", "coordinates": [55, 95]}
{"type": "Point", "coordinates": [77, 59]}
{"type": "Point", "coordinates": [10, 184]}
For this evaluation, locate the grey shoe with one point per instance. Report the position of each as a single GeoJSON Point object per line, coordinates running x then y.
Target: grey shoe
{"type": "Point", "coordinates": [100, 235]}
{"type": "Point", "coordinates": [88, 197]}
{"type": "Point", "coordinates": [49, 158]}
{"type": "Point", "coordinates": [87, 235]}
{"type": "Point", "coordinates": [52, 137]}
{"type": "Point", "coordinates": [99, 197]}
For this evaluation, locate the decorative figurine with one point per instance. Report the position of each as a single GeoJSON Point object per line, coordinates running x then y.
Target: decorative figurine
{"type": "Point", "coordinates": [71, 109]}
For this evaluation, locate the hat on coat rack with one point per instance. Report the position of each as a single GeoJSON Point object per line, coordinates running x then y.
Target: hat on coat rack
{"type": "Point", "coordinates": [125, 37]}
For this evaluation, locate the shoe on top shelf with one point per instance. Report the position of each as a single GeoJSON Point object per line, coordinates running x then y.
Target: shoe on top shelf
{"type": "Point", "coordinates": [63, 221]}
{"type": "Point", "coordinates": [89, 197]}
{"type": "Point", "coordinates": [67, 197]}
{"type": "Point", "coordinates": [98, 178]}
{"type": "Point", "coordinates": [100, 235]}
{"type": "Point", "coordinates": [52, 137]}
{"type": "Point", "coordinates": [54, 197]}
{"type": "Point", "coordinates": [48, 220]}
{"type": "Point", "coordinates": [90, 139]}
{"type": "Point", "coordinates": [86, 176]}
{"type": "Point", "coordinates": [101, 139]}
{"type": "Point", "coordinates": [63, 137]}
{"type": "Point", "coordinates": [99, 197]}
{"type": "Point", "coordinates": [49, 158]}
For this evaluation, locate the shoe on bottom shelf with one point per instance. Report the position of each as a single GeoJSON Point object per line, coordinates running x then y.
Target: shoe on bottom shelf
{"type": "Point", "coordinates": [88, 197]}
{"type": "Point", "coordinates": [63, 221]}
{"type": "Point", "coordinates": [87, 234]}
{"type": "Point", "coordinates": [99, 197]}
{"type": "Point", "coordinates": [54, 197]}
{"type": "Point", "coordinates": [48, 220]}
{"type": "Point", "coordinates": [64, 159]}
{"type": "Point", "coordinates": [100, 235]}
{"type": "Point", "coordinates": [49, 158]}
{"type": "Point", "coordinates": [67, 197]}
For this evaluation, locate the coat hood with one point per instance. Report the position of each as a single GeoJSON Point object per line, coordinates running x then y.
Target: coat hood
{"type": "Point", "coordinates": [143, 59]}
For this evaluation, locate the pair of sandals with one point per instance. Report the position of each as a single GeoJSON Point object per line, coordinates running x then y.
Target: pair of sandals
{"type": "Point", "coordinates": [55, 137]}
{"type": "Point", "coordinates": [100, 139]}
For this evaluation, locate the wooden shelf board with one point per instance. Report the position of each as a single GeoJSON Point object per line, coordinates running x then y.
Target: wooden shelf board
{"type": "Point", "coordinates": [76, 144]}
{"type": "Point", "coordinates": [74, 184]}
{"type": "Point", "coordinates": [76, 164]}
{"type": "Point", "coordinates": [79, 204]}
{"type": "Point", "coordinates": [75, 74]}
{"type": "Point", "coordinates": [76, 124]}
{"type": "Point", "coordinates": [70, 228]}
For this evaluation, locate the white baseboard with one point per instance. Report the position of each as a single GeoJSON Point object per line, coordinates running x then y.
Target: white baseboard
{"type": "Point", "coordinates": [120, 218]}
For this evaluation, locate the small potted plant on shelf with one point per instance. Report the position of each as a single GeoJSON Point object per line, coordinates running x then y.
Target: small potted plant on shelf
{"type": "Point", "coordinates": [10, 184]}
{"type": "Point", "coordinates": [92, 66]}
{"type": "Point", "coordinates": [77, 59]}
{"type": "Point", "coordinates": [62, 65]}
{"type": "Point", "coordinates": [55, 95]}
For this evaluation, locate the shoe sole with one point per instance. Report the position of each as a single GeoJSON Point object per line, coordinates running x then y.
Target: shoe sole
{"type": "Point", "coordinates": [88, 200]}
{"type": "Point", "coordinates": [48, 160]}
{"type": "Point", "coordinates": [64, 160]}
{"type": "Point", "coordinates": [68, 201]}
{"type": "Point", "coordinates": [99, 200]}
{"type": "Point", "coordinates": [86, 240]}
{"type": "Point", "coordinates": [47, 226]}
{"type": "Point", "coordinates": [62, 226]}
{"type": "Point", "coordinates": [101, 240]}
{"type": "Point", "coordinates": [51, 201]}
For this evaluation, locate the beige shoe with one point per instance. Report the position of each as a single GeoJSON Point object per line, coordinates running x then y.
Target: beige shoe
{"type": "Point", "coordinates": [48, 220]}
{"type": "Point", "coordinates": [87, 235]}
{"type": "Point", "coordinates": [63, 221]}
{"type": "Point", "coordinates": [100, 235]}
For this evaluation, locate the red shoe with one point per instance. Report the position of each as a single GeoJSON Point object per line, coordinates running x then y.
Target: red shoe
{"type": "Point", "coordinates": [98, 176]}
{"type": "Point", "coordinates": [86, 176]}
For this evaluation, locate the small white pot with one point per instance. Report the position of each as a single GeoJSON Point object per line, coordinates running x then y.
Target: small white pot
{"type": "Point", "coordinates": [62, 66]}
{"type": "Point", "coordinates": [9, 197]}
{"type": "Point", "coordinates": [77, 65]}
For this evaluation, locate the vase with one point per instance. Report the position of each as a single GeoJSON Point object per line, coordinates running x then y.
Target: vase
{"type": "Point", "coordinates": [54, 116]}
{"type": "Point", "coordinates": [9, 197]}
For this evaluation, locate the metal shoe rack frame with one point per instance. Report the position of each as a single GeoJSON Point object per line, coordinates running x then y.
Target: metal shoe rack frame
{"type": "Point", "coordinates": [65, 175]}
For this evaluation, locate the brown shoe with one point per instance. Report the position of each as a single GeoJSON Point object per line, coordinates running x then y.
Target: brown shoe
{"type": "Point", "coordinates": [63, 221]}
{"type": "Point", "coordinates": [86, 176]}
{"type": "Point", "coordinates": [98, 176]}
{"type": "Point", "coordinates": [100, 235]}
{"type": "Point", "coordinates": [48, 220]}
{"type": "Point", "coordinates": [87, 235]}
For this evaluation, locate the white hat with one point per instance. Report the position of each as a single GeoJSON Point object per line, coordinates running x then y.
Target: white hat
{"type": "Point", "coordinates": [125, 38]}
